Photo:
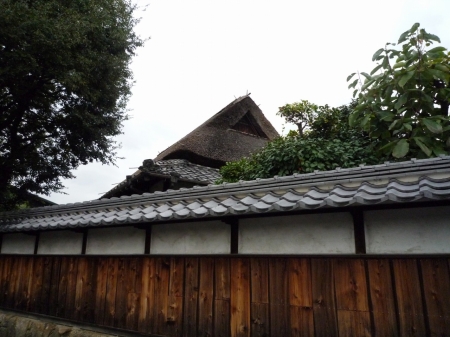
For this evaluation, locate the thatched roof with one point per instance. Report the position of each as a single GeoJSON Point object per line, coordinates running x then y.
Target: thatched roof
{"type": "Point", "coordinates": [236, 131]}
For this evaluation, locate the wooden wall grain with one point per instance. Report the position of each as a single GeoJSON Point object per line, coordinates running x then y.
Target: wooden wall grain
{"type": "Point", "coordinates": [236, 296]}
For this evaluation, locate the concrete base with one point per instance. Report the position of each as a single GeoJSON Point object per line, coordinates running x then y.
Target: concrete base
{"type": "Point", "coordinates": [13, 324]}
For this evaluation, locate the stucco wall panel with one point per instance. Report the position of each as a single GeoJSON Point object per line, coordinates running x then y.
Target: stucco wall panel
{"type": "Point", "coordinates": [209, 237]}
{"type": "Point", "coordinates": [298, 234]}
{"type": "Point", "coordinates": [116, 240]}
{"type": "Point", "coordinates": [18, 243]}
{"type": "Point", "coordinates": [408, 231]}
{"type": "Point", "coordinates": [60, 242]}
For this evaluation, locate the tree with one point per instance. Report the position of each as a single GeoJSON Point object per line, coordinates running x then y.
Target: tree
{"type": "Point", "coordinates": [64, 84]}
{"type": "Point", "coordinates": [405, 104]}
{"type": "Point", "coordinates": [328, 143]}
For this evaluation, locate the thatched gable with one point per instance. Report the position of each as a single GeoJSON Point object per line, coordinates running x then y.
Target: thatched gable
{"type": "Point", "coordinates": [236, 131]}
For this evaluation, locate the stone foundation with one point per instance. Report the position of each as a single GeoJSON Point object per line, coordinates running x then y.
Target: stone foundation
{"type": "Point", "coordinates": [13, 324]}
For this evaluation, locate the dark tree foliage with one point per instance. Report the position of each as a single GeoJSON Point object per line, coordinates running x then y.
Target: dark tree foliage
{"type": "Point", "coordinates": [64, 84]}
{"type": "Point", "coordinates": [328, 143]}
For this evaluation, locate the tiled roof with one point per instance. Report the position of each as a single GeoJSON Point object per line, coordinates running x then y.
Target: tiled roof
{"type": "Point", "coordinates": [180, 168]}
{"type": "Point", "coordinates": [410, 181]}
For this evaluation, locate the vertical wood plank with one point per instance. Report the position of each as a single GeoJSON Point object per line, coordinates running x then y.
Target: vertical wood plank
{"type": "Point", "coordinates": [323, 297]}
{"type": "Point", "coordinates": [176, 293]}
{"type": "Point", "coordinates": [111, 288]}
{"type": "Point", "coordinates": [259, 319]}
{"type": "Point", "coordinates": [222, 297]}
{"type": "Point", "coordinates": [62, 287]}
{"type": "Point", "coordinates": [409, 299]}
{"type": "Point", "coordinates": [354, 323]}
{"type": "Point", "coordinates": [145, 301]}
{"type": "Point", "coordinates": [382, 296]}
{"type": "Point", "coordinates": [161, 294]}
{"type": "Point", "coordinates": [134, 291]}
{"type": "Point", "coordinates": [260, 280]}
{"type": "Point", "coordinates": [302, 321]}
{"type": "Point", "coordinates": [436, 283]}
{"type": "Point", "coordinates": [46, 282]}
{"type": "Point", "coordinates": [89, 291]}
{"type": "Point", "coordinates": [17, 301]}
{"type": "Point", "coordinates": [72, 274]}
{"type": "Point", "coordinates": [29, 283]}
{"type": "Point", "coordinates": [222, 279]}
{"type": "Point", "coordinates": [35, 293]}
{"type": "Point", "coordinates": [279, 298]}
{"type": "Point", "coordinates": [240, 297]}
{"type": "Point", "coordinates": [300, 293]}
{"type": "Point", "coordinates": [79, 285]}
{"type": "Point", "coordinates": [7, 263]}
{"type": "Point", "coordinates": [12, 280]}
{"type": "Point", "coordinates": [191, 297]}
{"type": "Point", "coordinates": [100, 291]}
{"type": "Point", "coordinates": [205, 300]}
{"type": "Point", "coordinates": [54, 284]}
{"type": "Point", "coordinates": [350, 284]}
{"type": "Point", "coordinates": [120, 311]}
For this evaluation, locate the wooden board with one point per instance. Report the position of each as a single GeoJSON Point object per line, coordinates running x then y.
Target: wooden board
{"type": "Point", "coordinates": [100, 290]}
{"type": "Point", "coordinates": [259, 280]}
{"type": "Point", "coordinates": [111, 289]}
{"type": "Point", "coordinates": [176, 293]}
{"type": "Point", "coordinates": [324, 307]}
{"type": "Point", "coordinates": [120, 311]}
{"type": "Point", "coordinates": [221, 318]}
{"type": "Point", "coordinates": [436, 284]}
{"type": "Point", "coordinates": [145, 320]}
{"type": "Point", "coordinates": [161, 295]}
{"type": "Point", "coordinates": [350, 284]}
{"type": "Point", "coordinates": [222, 279]}
{"type": "Point", "coordinates": [302, 321]}
{"type": "Point", "coordinates": [279, 297]}
{"type": "Point", "coordinates": [299, 271]}
{"type": "Point", "coordinates": [259, 320]}
{"type": "Point", "coordinates": [191, 297]}
{"type": "Point", "coordinates": [134, 277]}
{"type": "Point", "coordinates": [354, 323]}
{"type": "Point", "coordinates": [205, 298]}
{"type": "Point", "coordinates": [54, 285]}
{"type": "Point", "coordinates": [409, 299]}
{"type": "Point", "coordinates": [382, 297]}
{"type": "Point", "coordinates": [240, 297]}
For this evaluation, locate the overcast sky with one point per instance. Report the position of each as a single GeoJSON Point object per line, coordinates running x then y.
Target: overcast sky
{"type": "Point", "coordinates": [203, 53]}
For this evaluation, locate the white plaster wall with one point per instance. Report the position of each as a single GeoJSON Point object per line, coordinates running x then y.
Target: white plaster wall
{"type": "Point", "coordinates": [209, 237]}
{"type": "Point", "coordinates": [18, 243]}
{"type": "Point", "coordinates": [408, 231]}
{"type": "Point", "coordinates": [330, 233]}
{"type": "Point", "coordinates": [115, 240]}
{"type": "Point", "coordinates": [60, 242]}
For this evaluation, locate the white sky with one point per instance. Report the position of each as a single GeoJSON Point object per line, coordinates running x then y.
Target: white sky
{"type": "Point", "coordinates": [204, 53]}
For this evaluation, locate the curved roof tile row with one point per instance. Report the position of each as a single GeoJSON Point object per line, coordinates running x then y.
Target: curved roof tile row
{"type": "Point", "coordinates": [423, 188]}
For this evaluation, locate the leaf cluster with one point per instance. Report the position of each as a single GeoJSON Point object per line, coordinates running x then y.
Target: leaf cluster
{"type": "Point", "coordinates": [404, 101]}
{"type": "Point", "coordinates": [329, 143]}
{"type": "Point", "coordinates": [64, 84]}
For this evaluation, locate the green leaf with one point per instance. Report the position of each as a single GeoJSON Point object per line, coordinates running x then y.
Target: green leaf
{"type": "Point", "coordinates": [353, 118]}
{"type": "Point", "coordinates": [437, 49]}
{"type": "Point", "coordinates": [414, 27]}
{"type": "Point", "coordinates": [350, 76]}
{"type": "Point", "coordinates": [366, 75]}
{"type": "Point", "coordinates": [399, 65]}
{"type": "Point", "coordinates": [432, 125]}
{"type": "Point", "coordinates": [403, 37]}
{"type": "Point", "coordinates": [374, 70]}
{"type": "Point", "coordinates": [393, 124]}
{"type": "Point", "coordinates": [423, 147]}
{"type": "Point", "coordinates": [353, 84]}
{"type": "Point", "coordinates": [407, 126]}
{"type": "Point", "coordinates": [402, 100]}
{"type": "Point", "coordinates": [432, 37]}
{"type": "Point", "coordinates": [405, 78]}
{"type": "Point", "coordinates": [401, 149]}
{"type": "Point", "coordinates": [377, 53]}
{"type": "Point", "coordinates": [385, 116]}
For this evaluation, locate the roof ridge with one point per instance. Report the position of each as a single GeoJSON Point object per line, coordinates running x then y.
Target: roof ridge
{"type": "Point", "coordinates": [362, 172]}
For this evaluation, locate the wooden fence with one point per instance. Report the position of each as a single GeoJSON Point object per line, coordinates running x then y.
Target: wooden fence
{"type": "Point", "coordinates": [236, 296]}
